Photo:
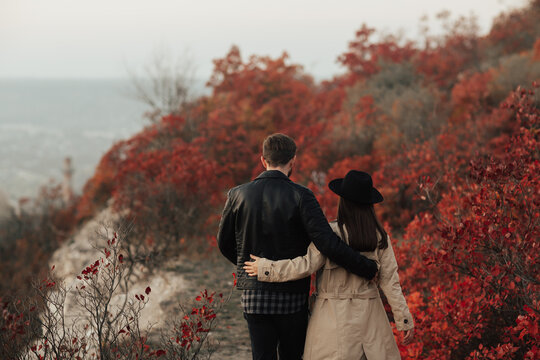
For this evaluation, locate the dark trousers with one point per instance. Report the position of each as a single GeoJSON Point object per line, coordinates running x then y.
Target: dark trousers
{"type": "Point", "coordinates": [272, 334]}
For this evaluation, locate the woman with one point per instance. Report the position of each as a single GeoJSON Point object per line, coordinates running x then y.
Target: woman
{"type": "Point", "coordinates": [348, 319]}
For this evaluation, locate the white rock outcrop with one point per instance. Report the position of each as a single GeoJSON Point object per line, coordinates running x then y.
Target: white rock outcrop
{"type": "Point", "coordinates": [80, 251]}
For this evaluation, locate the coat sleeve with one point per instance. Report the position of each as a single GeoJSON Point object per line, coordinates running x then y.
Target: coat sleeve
{"type": "Point", "coordinates": [328, 243]}
{"type": "Point", "coordinates": [389, 283]}
{"type": "Point", "coordinates": [293, 269]}
{"type": "Point", "coordinates": [226, 237]}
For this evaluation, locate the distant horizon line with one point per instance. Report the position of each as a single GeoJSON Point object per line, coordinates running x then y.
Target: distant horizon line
{"type": "Point", "coordinates": [68, 78]}
{"type": "Point", "coordinates": [127, 78]}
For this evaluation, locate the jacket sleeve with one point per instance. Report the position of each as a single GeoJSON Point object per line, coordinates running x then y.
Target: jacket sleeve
{"type": "Point", "coordinates": [290, 269]}
{"type": "Point", "coordinates": [389, 283]}
{"type": "Point", "coordinates": [328, 243]}
{"type": "Point", "coordinates": [226, 237]}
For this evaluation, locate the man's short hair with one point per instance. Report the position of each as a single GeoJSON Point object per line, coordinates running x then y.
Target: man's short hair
{"type": "Point", "coordinates": [278, 149]}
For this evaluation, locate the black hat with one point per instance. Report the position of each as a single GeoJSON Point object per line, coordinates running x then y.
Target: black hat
{"type": "Point", "coordinates": [357, 187]}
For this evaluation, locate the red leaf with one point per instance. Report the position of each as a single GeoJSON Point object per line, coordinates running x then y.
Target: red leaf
{"type": "Point", "coordinates": [160, 352]}
{"type": "Point", "coordinates": [147, 291]}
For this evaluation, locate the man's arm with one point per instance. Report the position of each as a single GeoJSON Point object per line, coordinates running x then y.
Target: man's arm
{"type": "Point", "coordinates": [226, 238]}
{"type": "Point", "coordinates": [329, 243]}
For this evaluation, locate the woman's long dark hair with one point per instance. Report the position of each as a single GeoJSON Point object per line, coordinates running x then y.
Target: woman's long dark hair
{"type": "Point", "coordinates": [362, 226]}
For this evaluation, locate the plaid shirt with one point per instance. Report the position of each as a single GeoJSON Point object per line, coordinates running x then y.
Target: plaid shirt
{"type": "Point", "coordinates": [272, 302]}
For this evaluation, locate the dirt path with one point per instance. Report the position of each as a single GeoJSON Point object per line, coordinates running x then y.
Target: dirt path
{"type": "Point", "coordinates": [214, 273]}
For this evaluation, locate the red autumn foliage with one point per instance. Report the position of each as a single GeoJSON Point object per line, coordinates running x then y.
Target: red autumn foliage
{"type": "Point", "coordinates": [166, 187]}
{"type": "Point", "coordinates": [481, 237]}
{"type": "Point", "coordinates": [444, 57]}
{"type": "Point", "coordinates": [28, 239]}
{"type": "Point", "coordinates": [98, 189]}
{"type": "Point", "coordinates": [38, 327]}
{"type": "Point", "coordinates": [251, 100]}
{"type": "Point", "coordinates": [516, 30]}
{"type": "Point", "coordinates": [364, 56]}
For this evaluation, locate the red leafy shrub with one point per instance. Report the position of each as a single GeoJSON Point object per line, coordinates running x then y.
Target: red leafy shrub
{"type": "Point", "coordinates": [444, 57]}
{"type": "Point", "coordinates": [516, 30]}
{"type": "Point", "coordinates": [28, 239]}
{"type": "Point", "coordinates": [364, 56]}
{"type": "Point", "coordinates": [103, 328]}
{"type": "Point", "coordinates": [190, 337]}
{"type": "Point", "coordinates": [252, 99]}
{"type": "Point", "coordinates": [469, 96]}
{"type": "Point", "coordinates": [13, 328]}
{"type": "Point", "coordinates": [480, 249]}
{"type": "Point", "coordinates": [166, 187]}
{"type": "Point", "coordinates": [98, 189]}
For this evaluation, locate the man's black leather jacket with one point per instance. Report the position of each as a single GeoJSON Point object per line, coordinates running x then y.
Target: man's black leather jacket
{"type": "Point", "coordinates": [275, 218]}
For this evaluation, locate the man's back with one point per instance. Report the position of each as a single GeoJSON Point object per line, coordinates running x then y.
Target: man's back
{"type": "Point", "coordinates": [266, 218]}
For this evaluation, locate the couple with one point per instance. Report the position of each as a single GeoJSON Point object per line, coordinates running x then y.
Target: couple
{"type": "Point", "coordinates": [281, 226]}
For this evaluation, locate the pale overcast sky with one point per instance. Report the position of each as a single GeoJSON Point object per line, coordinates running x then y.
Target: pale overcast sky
{"type": "Point", "coordinates": [101, 38]}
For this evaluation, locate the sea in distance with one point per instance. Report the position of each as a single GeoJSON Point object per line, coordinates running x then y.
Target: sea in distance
{"type": "Point", "coordinates": [43, 121]}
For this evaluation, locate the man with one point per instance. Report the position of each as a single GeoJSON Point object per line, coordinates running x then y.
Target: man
{"type": "Point", "coordinates": [275, 218]}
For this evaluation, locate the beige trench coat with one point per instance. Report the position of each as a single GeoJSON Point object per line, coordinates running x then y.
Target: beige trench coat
{"type": "Point", "coordinates": [348, 319]}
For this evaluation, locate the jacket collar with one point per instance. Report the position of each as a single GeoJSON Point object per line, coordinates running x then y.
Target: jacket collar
{"type": "Point", "coordinates": [276, 174]}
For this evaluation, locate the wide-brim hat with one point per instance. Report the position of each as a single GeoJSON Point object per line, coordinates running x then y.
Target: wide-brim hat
{"type": "Point", "coordinates": [356, 186]}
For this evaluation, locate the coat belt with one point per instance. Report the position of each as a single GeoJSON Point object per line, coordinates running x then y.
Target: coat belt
{"type": "Point", "coordinates": [372, 294]}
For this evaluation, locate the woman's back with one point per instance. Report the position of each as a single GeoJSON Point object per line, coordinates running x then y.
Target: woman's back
{"type": "Point", "coordinates": [348, 317]}
{"type": "Point", "coordinates": [334, 281]}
